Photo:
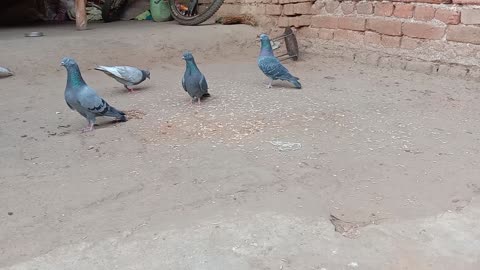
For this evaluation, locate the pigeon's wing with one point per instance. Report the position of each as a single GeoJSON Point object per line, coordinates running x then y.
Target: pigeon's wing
{"type": "Point", "coordinates": [183, 84]}
{"type": "Point", "coordinates": [203, 84]}
{"type": "Point", "coordinates": [274, 69]}
{"type": "Point", "coordinates": [70, 106]}
{"type": "Point", "coordinates": [124, 73]}
{"type": "Point", "coordinates": [69, 97]}
{"type": "Point", "coordinates": [130, 74]}
{"type": "Point", "coordinates": [91, 102]}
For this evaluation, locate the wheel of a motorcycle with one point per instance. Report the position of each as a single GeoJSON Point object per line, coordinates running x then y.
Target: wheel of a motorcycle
{"type": "Point", "coordinates": [112, 10]}
{"type": "Point", "coordinates": [199, 16]}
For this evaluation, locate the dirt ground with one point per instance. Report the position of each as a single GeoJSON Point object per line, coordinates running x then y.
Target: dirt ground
{"type": "Point", "coordinates": [247, 180]}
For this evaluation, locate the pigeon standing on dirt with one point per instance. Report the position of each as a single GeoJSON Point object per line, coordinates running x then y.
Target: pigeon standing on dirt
{"type": "Point", "coordinates": [271, 66]}
{"type": "Point", "coordinates": [5, 72]}
{"type": "Point", "coordinates": [193, 81]}
{"type": "Point", "coordinates": [83, 99]}
{"type": "Point", "coordinates": [126, 75]}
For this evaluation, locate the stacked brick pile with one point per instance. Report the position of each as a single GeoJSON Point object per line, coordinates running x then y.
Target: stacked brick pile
{"type": "Point", "coordinates": [383, 23]}
{"type": "Point", "coordinates": [439, 31]}
{"type": "Point", "coordinates": [388, 24]}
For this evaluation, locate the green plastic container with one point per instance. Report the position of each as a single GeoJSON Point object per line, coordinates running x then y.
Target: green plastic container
{"type": "Point", "coordinates": [160, 10]}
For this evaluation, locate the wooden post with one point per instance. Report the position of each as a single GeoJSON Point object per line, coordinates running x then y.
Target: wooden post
{"type": "Point", "coordinates": [81, 14]}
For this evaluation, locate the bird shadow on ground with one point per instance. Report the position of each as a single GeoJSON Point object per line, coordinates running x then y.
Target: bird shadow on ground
{"type": "Point", "coordinates": [106, 124]}
{"type": "Point", "coordinates": [282, 85]}
{"type": "Point", "coordinates": [141, 88]}
{"type": "Point", "coordinates": [123, 91]}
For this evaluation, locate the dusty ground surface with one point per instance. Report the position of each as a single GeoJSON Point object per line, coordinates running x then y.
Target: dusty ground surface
{"type": "Point", "coordinates": [247, 180]}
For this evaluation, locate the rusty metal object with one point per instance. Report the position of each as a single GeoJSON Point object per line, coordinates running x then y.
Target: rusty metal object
{"type": "Point", "coordinates": [290, 43]}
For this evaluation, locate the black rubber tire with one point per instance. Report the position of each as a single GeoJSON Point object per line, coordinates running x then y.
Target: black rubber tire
{"type": "Point", "coordinates": [109, 15]}
{"type": "Point", "coordinates": [197, 19]}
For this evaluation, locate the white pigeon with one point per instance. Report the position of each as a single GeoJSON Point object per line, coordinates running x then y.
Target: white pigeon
{"type": "Point", "coordinates": [126, 75]}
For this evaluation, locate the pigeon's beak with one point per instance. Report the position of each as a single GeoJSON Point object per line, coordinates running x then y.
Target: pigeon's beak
{"type": "Point", "coordinates": [183, 57]}
{"type": "Point", "coordinates": [62, 64]}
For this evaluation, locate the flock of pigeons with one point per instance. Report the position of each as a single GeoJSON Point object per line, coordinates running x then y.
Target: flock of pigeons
{"type": "Point", "coordinates": [83, 99]}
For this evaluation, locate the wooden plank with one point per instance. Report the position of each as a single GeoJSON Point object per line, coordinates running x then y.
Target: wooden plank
{"type": "Point", "coordinates": [81, 14]}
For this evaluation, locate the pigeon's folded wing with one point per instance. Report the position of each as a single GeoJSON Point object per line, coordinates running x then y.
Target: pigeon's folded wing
{"type": "Point", "coordinates": [93, 103]}
{"type": "Point", "coordinates": [203, 84]}
{"type": "Point", "coordinates": [183, 84]}
{"type": "Point", "coordinates": [130, 74]}
{"type": "Point", "coordinates": [273, 68]}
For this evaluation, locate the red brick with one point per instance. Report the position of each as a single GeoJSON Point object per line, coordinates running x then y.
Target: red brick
{"type": "Point", "coordinates": [304, 20]}
{"type": "Point", "coordinates": [392, 62]}
{"type": "Point", "coordinates": [470, 16]}
{"type": "Point", "coordinates": [349, 36]}
{"type": "Point", "coordinates": [424, 13]}
{"type": "Point", "coordinates": [447, 16]}
{"type": "Point", "coordinates": [383, 8]}
{"type": "Point", "coordinates": [452, 70]}
{"type": "Point", "coordinates": [288, 10]}
{"type": "Point", "coordinates": [423, 30]}
{"type": "Point", "coordinates": [273, 9]}
{"type": "Point", "coordinates": [410, 43]}
{"type": "Point", "coordinates": [303, 8]}
{"type": "Point", "coordinates": [433, 1]}
{"type": "Point", "coordinates": [418, 66]}
{"type": "Point", "coordinates": [468, 2]}
{"type": "Point", "coordinates": [465, 34]}
{"type": "Point", "coordinates": [325, 34]}
{"type": "Point", "coordinates": [325, 22]}
{"type": "Point", "coordinates": [347, 7]}
{"type": "Point", "coordinates": [352, 23]}
{"type": "Point", "coordinates": [387, 27]}
{"type": "Point", "coordinates": [373, 38]}
{"type": "Point", "coordinates": [364, 8]}
{"type": "Point", "coordinates": [283, 22]}
{"type": "Point", "coordinates": [331, 6]}
{"type": "Point", "coordinates": [308, 32]}
{"type": "Point", "coordinates": [317, 7]}
{"type": "Point", "coordinates": [403, 10]}
{"type": "Point", "coordinates": [473, 73]}
{"type": "Point", "coordinates": [390, 41]}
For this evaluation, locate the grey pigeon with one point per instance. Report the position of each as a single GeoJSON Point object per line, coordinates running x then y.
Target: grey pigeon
{"type": "Point", "coordinates": [5, 72]}
{"type": "Point", "coordinates": [126, 75]}
{"type": "Point", "coordinates": [271, 66]}
{"type": "Point", "coordinates": [83, 99]}
{"type": "Point", "coordinates": [193, 81]}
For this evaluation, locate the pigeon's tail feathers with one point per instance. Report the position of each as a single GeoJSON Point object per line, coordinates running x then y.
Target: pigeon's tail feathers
{"type": "Point", "coordinates": [206, 95]}
{"type": "Point", "coordinates": [295, 82]}
{"type": "Point", "coordinates": [112, 112]}
{"type": "Point", "coordinates": [107, 70]}
{"type": "Point", "coordinates": [101, 68]}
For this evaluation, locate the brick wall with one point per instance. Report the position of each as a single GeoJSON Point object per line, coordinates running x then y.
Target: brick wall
{"type": "Point", "coordinates": [446, 31]}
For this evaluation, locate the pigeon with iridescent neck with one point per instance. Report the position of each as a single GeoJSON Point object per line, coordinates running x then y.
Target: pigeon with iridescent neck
{"type": "Point", "coordinates": [271, 66]}
{"type": "Point", "coordinates": [193, 81]}
{"type": "Point", "coordinates": [83, 99]}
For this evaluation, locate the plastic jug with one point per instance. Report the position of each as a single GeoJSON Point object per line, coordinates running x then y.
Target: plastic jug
{"type": "Point", "coordinates": [160, 10]}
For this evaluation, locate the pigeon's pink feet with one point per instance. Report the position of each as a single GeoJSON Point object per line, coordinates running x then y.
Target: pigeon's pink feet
{"type": "Point", "coordinates": [130, 90]}
{"type": "Point", "coordinates": [88, 128]}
